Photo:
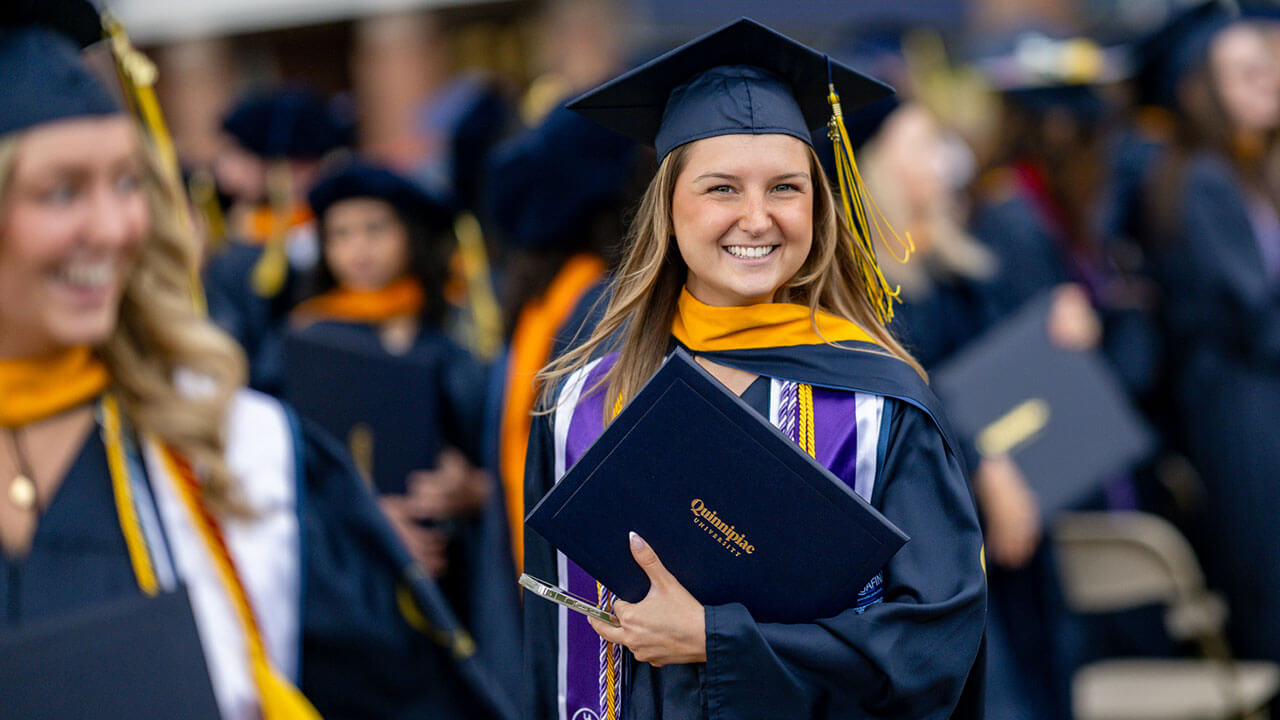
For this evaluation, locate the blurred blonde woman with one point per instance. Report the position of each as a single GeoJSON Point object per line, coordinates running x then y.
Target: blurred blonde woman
{"type": "Point", "coordinates": [133, 461]}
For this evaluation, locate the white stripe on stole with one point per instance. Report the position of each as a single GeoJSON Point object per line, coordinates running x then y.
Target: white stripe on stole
{"type": "Point", "coordinates": [775, 401]}
{"type": "Point", "coordinates": [566, 403]}
{"type": "Point", "coordinates": [870, 413]}
{"type": "Point", "coordinates": [221, 635]}
{"type": "Point", "coordinates": [265, 550]}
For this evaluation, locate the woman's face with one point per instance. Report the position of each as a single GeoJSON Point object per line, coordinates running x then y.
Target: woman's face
{"type": "Point", "coordinates": [365, 244]}
{"type": "Point", "coordinates": [73, 219]}
{"type": "Point", "coordinates": [911, 146]}
{"type": "Point", "coordinates": [743, 216]}
{"type": "Point", "coordinates": [1246, 73]}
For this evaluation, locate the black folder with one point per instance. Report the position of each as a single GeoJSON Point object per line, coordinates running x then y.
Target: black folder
{"type": "Point", "coordinates": [138, 658]}
{"type": "Point", "coordinates": [734, 509]}
{"type": "Point", "coordinates": [1061, 415]}
{"type": "Point", "coordinates": [383, 407]}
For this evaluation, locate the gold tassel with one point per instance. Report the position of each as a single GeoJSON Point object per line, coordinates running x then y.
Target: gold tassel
{"type": "Point", "coordinates": [204, 195]}
{"type": "Point", "coordinates": [272, 269]}
{"type": "Point", "coordinates": [860, 211]}
{"type": "Point", "coordinates": [138, 77]}
{"type": "Point", "coordinates": [486, 329]}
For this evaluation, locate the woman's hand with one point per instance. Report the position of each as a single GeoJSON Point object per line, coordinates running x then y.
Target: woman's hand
{"type": "Point", "coordinates": [1073, 323]}
{"type": "Point", "coordinates": [1011, 511]}
{"type": "Point", "coordinates": [428, 546]}
{"type": "Point", "coordinates": [668, 627]}
{"type": "Point", "coordinates": [454, 488]}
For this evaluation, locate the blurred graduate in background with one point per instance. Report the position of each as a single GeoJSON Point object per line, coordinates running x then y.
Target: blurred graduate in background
{"type": "Point", "coordinates": [1215, 247]}
{"type": "Point", "coordinates": [379, 289]}
{"type": "Point", "coordinates": [136, 463]}
{"type": "Point", "coordinates": [1037, 209]}
{"type": "Point", "coordinates": [556, 199]}
{"type": "Point", "coordinates": [275, 144]}
{"type": "Point", "coordinates": [558, 194]}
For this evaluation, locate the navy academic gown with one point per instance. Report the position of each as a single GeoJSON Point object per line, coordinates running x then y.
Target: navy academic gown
{"type": "Point", "coordinates": [1030, 659]}
{"type": "Point", "coordinates": [359, 657]}
{"type": "Point", "coordinates": [910, 656]}
{"type": "Point", "coordinates": [257, 323]}
{"type": "Point", "coordinates": [481, 582]}
{"type": "Point", "coordinates": [1222, 312]}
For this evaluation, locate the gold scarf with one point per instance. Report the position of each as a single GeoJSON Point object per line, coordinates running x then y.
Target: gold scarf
{"type": "Point", "coordinates": [531, 345]}
{"type": "Point", "coordinates": [32, 389]}
{"type": "Point", "coordinates": [708, 328]}
{"type": "Point", "coordinates": [402, 298]}
{"type": "Point", "coordinates": [260, 224]}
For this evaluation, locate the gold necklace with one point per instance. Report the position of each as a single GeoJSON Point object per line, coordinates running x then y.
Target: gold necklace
{"type": "Point", "coordinates": [22, 488]}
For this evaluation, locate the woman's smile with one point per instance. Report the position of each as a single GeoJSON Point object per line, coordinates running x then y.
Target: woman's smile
{"type": "Point", "coordinates": [751, 252]}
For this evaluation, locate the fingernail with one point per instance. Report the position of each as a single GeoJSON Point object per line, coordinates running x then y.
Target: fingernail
{"type": "Point", "coordinates": [636, 542]}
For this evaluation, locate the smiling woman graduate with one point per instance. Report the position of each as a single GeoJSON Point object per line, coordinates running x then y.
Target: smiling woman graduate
{"type": "Point", "coordinates": [132, 460]}
{"type": "Point", "coordinates": [740, 254]}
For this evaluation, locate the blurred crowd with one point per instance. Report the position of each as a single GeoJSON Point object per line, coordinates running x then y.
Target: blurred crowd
{"type": "Point", "coordinates": [470, 224]}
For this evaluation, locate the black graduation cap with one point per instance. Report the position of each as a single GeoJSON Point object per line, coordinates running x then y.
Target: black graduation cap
{"type": "Point", "coordinates": [286, 123]}
{"type": "Point", "coordinates": [544, 183]}
{"type": "Point", "coordinates": [1038, 73]}
{"type": "Point", "coordinates": [363, 179]}
{"type": "Point", "coordinates": [862, 126]}
{"type": "Point", "coordinates": [743, 78]}
{"type": "Point", "coordinates": [42, 76]}
{"type": "Point", "coordinates": [1165, 56]}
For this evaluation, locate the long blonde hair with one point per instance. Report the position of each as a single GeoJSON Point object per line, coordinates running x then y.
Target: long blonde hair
{"type": "Point", "coordinates": [161, 341]}
{"type": "Point", "coordinates": [645, 291]}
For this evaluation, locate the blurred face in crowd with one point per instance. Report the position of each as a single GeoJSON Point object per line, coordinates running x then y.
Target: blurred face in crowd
{"type": "Point", "coordinates": [74, 216]}
{"type": "Point", "coordinates": [240, 173]}
{"type": "Point", "coordinates": [365, 244]}
{"type": "Point", "coordinates": [1247, 76]}
{"type": "Point", "coordinates": [742, 210]}
{"type": "Point", "coordinates": [913, 146]}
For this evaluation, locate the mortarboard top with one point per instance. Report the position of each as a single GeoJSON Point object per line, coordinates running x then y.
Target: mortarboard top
{"type": "Point", "coordinates": [42, 76]}
{"type": "Point", "coordinates": [1039, 73]}
{"type": "Point", "coordinates": [291, 123]}
{"type": "Point", "coordinates": [867, 121]}
{"type": "Point", "coordinates": [743, 78]}
{"type": "Point", "coordinates": [362, 179]}
{"type": "Point", "coordinates": [543, 183]}
{"type": "Point", "coordinates": [861, 125]}
{"type": "Point", "coordinates": [1165, 56]}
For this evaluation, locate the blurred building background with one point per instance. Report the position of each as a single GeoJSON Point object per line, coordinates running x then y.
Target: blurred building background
{"type": "Point", "coordinates": [388, 58]}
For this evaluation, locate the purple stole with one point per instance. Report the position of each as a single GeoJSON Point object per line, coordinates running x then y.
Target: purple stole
{"type": "Point", "coordinates": [840, 419]}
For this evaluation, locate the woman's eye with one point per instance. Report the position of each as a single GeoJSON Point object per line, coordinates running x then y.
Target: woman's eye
{"type": "Point", "coordinates": [723, 189]}
{"type": "Point", "coordinates": [61, 194]}
{"type": "Point", "coordinates": [129, 183]}
{"type": "Point", "coordinates": [786, 187]}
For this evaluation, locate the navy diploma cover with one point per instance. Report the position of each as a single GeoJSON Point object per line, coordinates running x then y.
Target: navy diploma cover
{"type": "Point", "coordinates": [735, 510]}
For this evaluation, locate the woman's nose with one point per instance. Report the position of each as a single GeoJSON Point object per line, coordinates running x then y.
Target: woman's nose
{"type": "Point", "coordinates": [755, 219]}
{"type": "Point", "coordinates": [114, 220]}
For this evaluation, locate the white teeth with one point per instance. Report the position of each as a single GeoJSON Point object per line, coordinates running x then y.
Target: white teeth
{"type": "Point", "coordinates": [90, 276]}
{"type": "Point", "coordinates": [747, 252]}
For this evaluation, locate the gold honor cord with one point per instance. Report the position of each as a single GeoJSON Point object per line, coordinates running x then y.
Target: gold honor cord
{"type": "Point", "coordinates": [122, 490]}
{"type": "Point", "coordinates": [138, 78]}
{"type": "Point", "coordinates": [486, 318]}
{"type": "Point", "coordinates": [855, 202]}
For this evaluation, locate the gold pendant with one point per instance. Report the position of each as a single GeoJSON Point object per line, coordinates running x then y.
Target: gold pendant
{"type": "Point", "coordinates": [22, 492]}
